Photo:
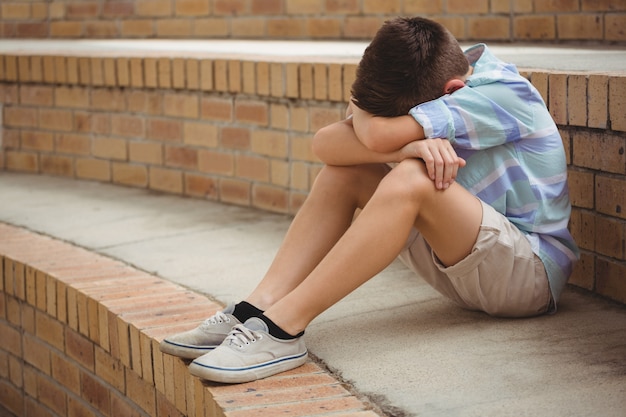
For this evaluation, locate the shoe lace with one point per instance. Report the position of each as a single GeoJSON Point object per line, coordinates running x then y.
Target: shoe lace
{"type": "Point", "coordinates": [240, 336]}
{"type": "Point", "coordinates": [218, 317]}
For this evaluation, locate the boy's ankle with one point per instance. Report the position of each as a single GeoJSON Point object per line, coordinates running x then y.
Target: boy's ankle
{"type": "Point", "coordinates": [277, 331]}
{"type": "Point", "coordinates": [244, 310]}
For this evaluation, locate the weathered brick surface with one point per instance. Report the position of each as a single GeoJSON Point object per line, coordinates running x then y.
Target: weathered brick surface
{"type": "Point", "coordinates": [49, 365]}
{"type": "Point", "coordinates": [306, 19]}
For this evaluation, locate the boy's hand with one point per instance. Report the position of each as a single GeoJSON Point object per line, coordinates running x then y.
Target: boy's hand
{"type": "Point", "coordinates": [440, 158]}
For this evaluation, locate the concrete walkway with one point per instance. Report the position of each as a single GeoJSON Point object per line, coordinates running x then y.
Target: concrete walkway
{"type": "Point", "coordinates": [394, 339]}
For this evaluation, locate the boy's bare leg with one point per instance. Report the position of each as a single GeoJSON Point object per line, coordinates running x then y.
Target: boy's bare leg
{"type": "Point", "coordinates": [449, 220]}
{"type": "Point", "coordinates": [324, 217]}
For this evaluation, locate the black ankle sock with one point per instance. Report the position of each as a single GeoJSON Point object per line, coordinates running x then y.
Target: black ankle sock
{"type": "Point", "coordinates": [244, 310]}
{"type": "Point", "coordinates": [276, 331]}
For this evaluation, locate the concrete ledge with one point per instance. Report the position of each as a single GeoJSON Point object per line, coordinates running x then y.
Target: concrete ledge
{"type": "Point", "coordinates": [80, 335]}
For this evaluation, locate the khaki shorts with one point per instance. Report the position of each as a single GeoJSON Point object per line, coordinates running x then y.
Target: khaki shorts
{"type": "Point", "coordinates": [501, 276]}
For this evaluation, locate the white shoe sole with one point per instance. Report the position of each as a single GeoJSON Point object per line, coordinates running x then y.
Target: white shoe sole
{"type": "Point", "coordinates": [248, 373]}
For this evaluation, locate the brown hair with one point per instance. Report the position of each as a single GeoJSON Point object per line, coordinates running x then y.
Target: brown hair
{"type": "Point", "coordinates": [407, 63]}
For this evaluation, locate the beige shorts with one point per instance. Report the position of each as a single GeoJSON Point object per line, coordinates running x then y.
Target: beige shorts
{"type": "Point", "coordinates": [501, 276]}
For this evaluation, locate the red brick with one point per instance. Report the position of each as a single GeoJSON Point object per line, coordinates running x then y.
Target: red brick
{"type": "Point", "coordinates": [65, 373]}
{"type": "Point", "coordinates": [267, 7]}
{"type": "Point", "coordinates": [139, 391]}
{"type": "Point", "coordinates": [192, 8]}
{"type": "Point", "coordinates": [22, 161]}
{"type": "Point", "coordinates": [80, 349]}
{"type": "Point", "coordinates": [72, 97]}
{"type": "Point", "coordinates": [36, 95]}
{"type": "Point", "coordinates": [181, 157]}
{"type": "Point", "coordinates": [136, 72]}
{"type": "Point", "coordinates": [578, 26]}
{"type": "Point", "coordinates": [166, 130]}
{"type": "Point", "coordinates": [610, 280]}
{"type": "Point", "coordinates": [98, 123]}
{"type": "Point", "coordinates": [122, 406]}
{"type": "Point", "coordinates": [283, 27]}
{"type": "Point", "coordinates": [35, 140]}
{"type": "Point", "coordinates": [251, 167]}
{"type": "Point", "coordinates": [200, 134]}
{"type": "Point", "coordinates": [11, 398]}
{"type": "Point", "coordinates": [166, 180]}
{"type": "Point", "coordinates": [123, 72]}
{"type": "Point", "coordinates": [362, 27]}
{"type": "Point", "coordinates": [33, 408]}
{"type": "Point", "coordinates": [609, 237]}
{"type": "Point", "coordinates": [127, 126]}
{"type": "Point", "coordinates": [112, 9]}
{"type": "Point", "coordinates": [192, 74]}
{"type": "Point", "coordinates": [352, 7]}
{"type": "Point", "coordinates": [532, 27]}
{"type": "Point", "coordinates": [50, 331]}
{"type": "Point", "coordinates": [153, 8]}
{"type": "Point", "coordinates": [59, 120]}
{"type": "Point", "coordinates": [581, 187]}
{"type": "Point", "coordinates": [51, 395]}
{"type": "Point", "coordinates": [614, 27]}
{"type": "Point", "coordinates": [20, 117]}
{"type": "Point", "coordinates": [230, 7]}
{"type": "Point", "coordinates": [181, 105]}
{"type": "Point", "coordinates": [95, 393]}
{"type": "Point", "coordinates": [200, 185]}
{"type": "Point", "coordinates": [9, 93]}
{"type": "Point", "coordinates": [57, 165]}
{"type": "Point", "coordinates": [617, 103]}
{"type": "Point", "coordinates": [108, 99]}
{"type": "Point", "coordinates": [217, 109]}
{"type": "Point", "coordinates": [610, 196]}
{"type": "Point", "coordinates": [206, 75]}
{"type": "Point", "coordinates": [254, 112]}
{"type": "Point", "coordinates": [557, 98]}
{"type": "Point", "coordinates": [93, 169]}
{"type": "Point", "coordinates": [235, 191]}
{"type": "Point", "coordinates": [128, 174]}
{"type": "Point", "coordinates": [36, 69]}
{"type": "Point", "coordinates": [597, 93]}
{"type": "Point", "coordinates": [599, 151]}
{"type": "Point", "coordinates": [144, 102]}
{"type": "Point", "coordinates": [11, 339]}
{"type": "Point", "coordinates": [146, 152]}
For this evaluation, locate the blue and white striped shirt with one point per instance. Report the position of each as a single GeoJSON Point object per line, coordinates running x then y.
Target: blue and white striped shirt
{"type": "Point", "coordinates": [515, 158]}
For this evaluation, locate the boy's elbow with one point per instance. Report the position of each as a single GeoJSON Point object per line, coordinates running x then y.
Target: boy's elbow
{"type": "Point", "coordinates": [318, 144]}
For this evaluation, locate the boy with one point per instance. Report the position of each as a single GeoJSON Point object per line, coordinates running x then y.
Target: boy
{"type": "Point", "coordinates": [476, 203]}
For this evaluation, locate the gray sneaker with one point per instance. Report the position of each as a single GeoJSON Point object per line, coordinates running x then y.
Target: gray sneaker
{"type": "Point", "coordinates": [204, 338]}
{"type": "Point", "coordinates": [249, 353]}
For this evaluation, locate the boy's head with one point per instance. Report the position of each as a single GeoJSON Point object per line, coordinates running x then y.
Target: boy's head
{"type": "Point", "coordinates": [407, 63]}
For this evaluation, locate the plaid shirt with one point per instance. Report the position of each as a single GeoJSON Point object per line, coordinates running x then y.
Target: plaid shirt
{"type": "Point", "coordinates": [515, 158]}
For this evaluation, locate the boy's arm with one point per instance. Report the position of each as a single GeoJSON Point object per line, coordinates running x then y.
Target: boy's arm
{"type": "Point", "coordinates": [337, 144]}
{"type": "Point", "coordinates": [385, 134]}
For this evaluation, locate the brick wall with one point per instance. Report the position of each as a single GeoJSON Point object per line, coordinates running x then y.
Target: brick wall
{"type": "Point", "coordinates": [80, 337]}
{"type": "Point", "coordinates": [598, 21]}
{"type": "Point", "coordinates": [239, 131]}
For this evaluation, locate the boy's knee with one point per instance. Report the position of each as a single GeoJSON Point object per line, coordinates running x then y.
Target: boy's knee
{"type": "Point", "coordinates": [410, 179]}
